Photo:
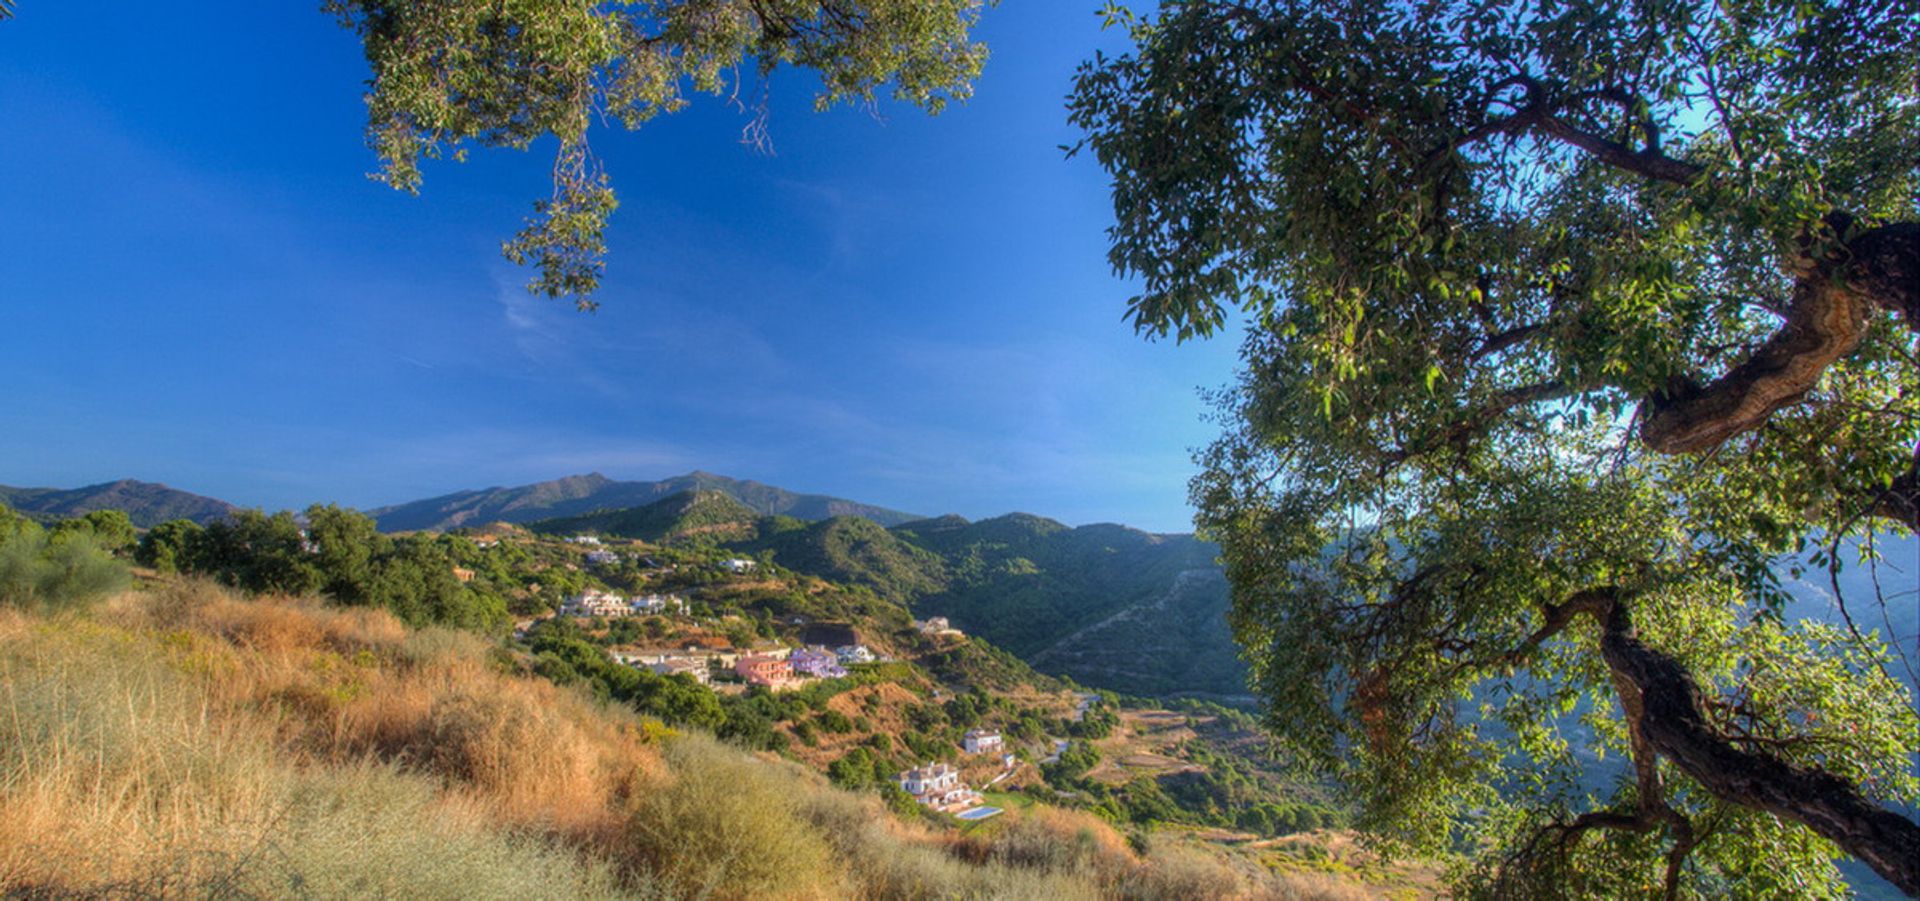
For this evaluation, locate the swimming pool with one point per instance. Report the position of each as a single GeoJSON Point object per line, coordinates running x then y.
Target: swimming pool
{"type": "Point", "coordinates": [978, 813]}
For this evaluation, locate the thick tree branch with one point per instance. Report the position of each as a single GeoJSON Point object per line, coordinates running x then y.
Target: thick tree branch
{"type": "Point", "coordinates": [1676, 726]}
{"type": "Point", "coordinates": [1647, 162]}
{"type": "Point", "coordinates": [1833, 297]}
{"type": "Point", "coordinates": [1542, 112]}
{"type": "Point", "coordinates": [1666, 717]}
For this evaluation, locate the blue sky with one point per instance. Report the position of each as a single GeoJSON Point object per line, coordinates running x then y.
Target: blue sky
{"type": "Point", "coordinates": [200, 286]}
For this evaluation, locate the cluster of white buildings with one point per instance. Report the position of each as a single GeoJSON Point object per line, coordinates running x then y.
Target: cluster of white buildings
{"type": "Point", "coordinates": [937, 785]}
{"type": "Point", "coordinates": [594, 602]}
{"type": "Point", "coordinates": [773, 668]}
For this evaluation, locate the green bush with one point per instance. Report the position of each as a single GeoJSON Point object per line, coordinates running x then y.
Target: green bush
{"type": "Point", "coordinates": [730, 826]}
{"type": "Point", "coordinates": [42, 573]}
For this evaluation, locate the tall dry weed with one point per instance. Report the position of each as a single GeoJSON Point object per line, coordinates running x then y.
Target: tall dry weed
{"type": "Point", "coordinates": [189, 742]}
{"type": "Point", "coordinates": [121, 775]}
{"type": "Point", "coordinates": [727, 825]}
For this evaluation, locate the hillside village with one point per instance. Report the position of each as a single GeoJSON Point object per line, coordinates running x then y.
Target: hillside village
{"type": "Point", "coordinates": [691, 627]}
{"type": "Point", "coordinates": [695, 649]}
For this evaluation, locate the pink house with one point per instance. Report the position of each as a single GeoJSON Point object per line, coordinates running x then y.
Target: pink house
{"type": "Point", "coordinates": [771, 672]}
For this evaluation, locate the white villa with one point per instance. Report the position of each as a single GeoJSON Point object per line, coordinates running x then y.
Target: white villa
{"type": "Point", "coordinates": [933, 777]}
{"type": "Point", "coordinates": [594, 602]}
{"type": "Point", "coordinates": [602, 558]}
{"type": "Point", "coordinates": [937, 625]}
{"type": "Point", "coordinates": [982, 741]}
{"type": "Point", "coordinates": [657, 603]}
{"type": "Point", "coordinates": [738, 565]}
{"type": "Point", "coordinates": [938, 785]}
{"type": "Point", "coordinates": [854, 653]}
{"type": "Point", "coordinates": [686, 666]}
{"type": "Point", "coordinates": [584, 539]}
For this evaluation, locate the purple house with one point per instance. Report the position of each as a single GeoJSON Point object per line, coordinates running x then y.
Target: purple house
{"type": "Point", "coordinates": [816, 662]}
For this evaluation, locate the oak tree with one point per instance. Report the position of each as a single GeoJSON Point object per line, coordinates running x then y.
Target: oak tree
{"type": "Point", "coordinates": [452, 74]}
{"type": "Point", "coordinates": [1575, 329]}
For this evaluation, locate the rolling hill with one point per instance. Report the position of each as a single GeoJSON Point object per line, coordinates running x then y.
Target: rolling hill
{"type": "Point", "coordinates": [856, 551]}
{"type": "Point", "coordinates": [576, 495]}
{"type": "Point", "coordinates": [712, 514]}
{"type": "Point", "coordinates": [1109, 606]}
{"type": "Point", "coordinates": [146, 503]}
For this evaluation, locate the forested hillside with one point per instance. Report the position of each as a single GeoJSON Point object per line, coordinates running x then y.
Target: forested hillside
{"type": "Point", "coordinates": [353, 701]}
{"type": "Point", "coordinates": [575, 495]}
{"type": "Point", "coordinates": [145, 503]}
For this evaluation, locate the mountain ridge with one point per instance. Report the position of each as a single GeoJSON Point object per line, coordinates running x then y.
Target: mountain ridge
{"type": "Point", "coordinates": [146, 503]}
{"type": "Point", "coordinates": [681, 515]}
{"type": "Point", "coordinates": [594, 493]}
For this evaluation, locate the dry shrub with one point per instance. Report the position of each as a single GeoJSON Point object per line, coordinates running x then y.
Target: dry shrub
{"type": "Point", "coordinates": [1052, 840]}
{"type": "Point", "coordinates": [890, 859]}
{"type": "Point", "coordinates": [207, 745]}
{"type": "Point", "coordinates": [122, 775]}
{"type": "Point", "coordinates": [728, 825]}
{"type": "Point", "coordinates": [343, 684]}
{"type": "Point", "coordinates": [1171, 871]}
{"type": "Point", "coordinates": [268, 624]}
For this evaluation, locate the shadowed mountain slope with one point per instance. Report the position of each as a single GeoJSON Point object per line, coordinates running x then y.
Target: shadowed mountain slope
{"type": "Point", "coordinates": [146, 503]}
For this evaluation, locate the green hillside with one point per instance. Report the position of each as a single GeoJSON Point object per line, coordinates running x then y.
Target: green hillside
{"type": "Point", "coordinates": [689, 514]}
{"type": "Point", "coordinates": [1109, 606]}
{"type": "Point", "coordinates": [859, 551]}
{"type": "Point", "coordinates": [592, 493]}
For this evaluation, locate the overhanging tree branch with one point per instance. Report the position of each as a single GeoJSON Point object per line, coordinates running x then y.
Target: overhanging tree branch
{"type": "Point", "coordinates": [1676, 727]}
{"type": "Point", "coordinates": [1833, 297]}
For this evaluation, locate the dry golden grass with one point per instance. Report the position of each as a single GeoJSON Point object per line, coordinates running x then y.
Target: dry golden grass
{"type": "Point", "coordinates": [185, 742]}
{"type": "Point", "coordinates": [122, 772]}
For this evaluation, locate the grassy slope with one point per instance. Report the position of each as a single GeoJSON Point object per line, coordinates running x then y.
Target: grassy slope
{"type": "Point", "coordinates": [186, 742]}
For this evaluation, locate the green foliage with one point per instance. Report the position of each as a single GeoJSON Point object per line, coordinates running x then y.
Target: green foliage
{"type": "Point", "coordinates": [1097, 722]}
{"type": "Point", "coordinates": [856, 550]}
{"type": "Point", "coordinates": [1075, 761]}
{"type": "Point", "coordinates": [169, 547]}
{"type": "Point", "coordinates": [1500, 263]}
{"type": "Point", "coordinates": [689, 515]}
{"type": "Point", "coordinates": [450, 75]}
{"type": "Point", "coordinates": [65, 570]}
{"type": "Point", "coordinates": [337, 552]}
{"type": "Point", "coordinates": [112, 530]}
{"type": "Point", "coordinates": [561, 655]}
{"type": "Point", "coordinates": [1035, 587]}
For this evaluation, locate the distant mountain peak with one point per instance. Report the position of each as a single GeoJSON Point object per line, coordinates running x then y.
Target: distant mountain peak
{"type": "Point", "coordinates": [577, 495]}
{"type": "Point", "coordinates": [146, 503]}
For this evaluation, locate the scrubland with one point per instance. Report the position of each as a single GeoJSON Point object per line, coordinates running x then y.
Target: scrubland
{"type": "Point", "coordinates": [184, 741]}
